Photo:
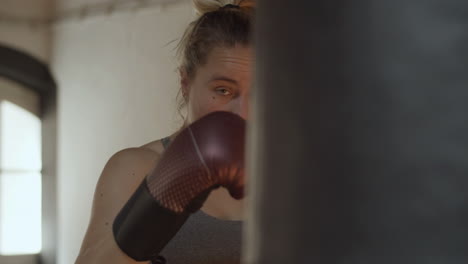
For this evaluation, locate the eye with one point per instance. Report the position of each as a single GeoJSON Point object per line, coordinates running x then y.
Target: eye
{"type": "Point", "coordinates": [223, 91]}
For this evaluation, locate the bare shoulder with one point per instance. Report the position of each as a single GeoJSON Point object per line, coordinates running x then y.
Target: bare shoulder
{"type": "Point", "coordinates": [135, 155]}
{"type": "Point", "coordinates": [155, 146]}
{"type": "Point", "coordinates": [121, 176]}
{"type": "Point", "coordinates": [128, 162]}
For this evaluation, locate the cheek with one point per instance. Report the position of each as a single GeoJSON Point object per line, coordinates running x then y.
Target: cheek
{"type": "Point", "coordinates": [216, 103]}
{"type": "Point", "coordinates": [204, 100]}
{"type": "Point", "coordinates": [205, 103]}
{"type": "Point", "coordinates": [212, 103]}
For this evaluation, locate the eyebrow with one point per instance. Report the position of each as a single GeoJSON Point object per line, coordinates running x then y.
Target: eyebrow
{"type": "Point", "coordinates": [223, 78]}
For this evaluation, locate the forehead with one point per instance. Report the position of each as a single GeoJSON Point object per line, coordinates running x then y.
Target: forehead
{"type": "Point", "coordinates": [232, 60]}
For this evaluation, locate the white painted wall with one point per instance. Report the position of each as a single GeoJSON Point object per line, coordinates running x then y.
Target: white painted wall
{"type": "Point", "coordinates": [117, 88]}
{"type": "Point", "coordinates": [27, 38]}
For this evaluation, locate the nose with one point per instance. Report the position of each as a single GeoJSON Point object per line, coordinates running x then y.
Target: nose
{"type": "Point", "coordinates": [240, 106]}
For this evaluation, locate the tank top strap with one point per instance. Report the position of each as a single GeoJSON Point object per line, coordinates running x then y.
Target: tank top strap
{"type": "Point", "coordinates": [166, 141]}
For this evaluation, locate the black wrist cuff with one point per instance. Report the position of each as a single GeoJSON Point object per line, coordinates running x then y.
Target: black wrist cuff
{"type": "Point", "coordinates": [143, 227]}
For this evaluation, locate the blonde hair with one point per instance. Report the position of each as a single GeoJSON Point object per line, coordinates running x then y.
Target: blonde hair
{"type": "Point", "coordinates": [220, 23]}
{"type": "Point", "coordinates": [205, 6]}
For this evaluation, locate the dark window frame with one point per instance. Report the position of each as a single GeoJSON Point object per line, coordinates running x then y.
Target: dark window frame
{"type": "Point", "coordinates": [25, 69]}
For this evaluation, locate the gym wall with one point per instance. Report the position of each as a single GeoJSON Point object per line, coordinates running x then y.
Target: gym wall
{"type": "Point", "coordinates": [117, 82]}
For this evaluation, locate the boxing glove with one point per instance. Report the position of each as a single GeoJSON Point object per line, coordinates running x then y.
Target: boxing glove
{"type": "Point", "coordinates": [207, 154]}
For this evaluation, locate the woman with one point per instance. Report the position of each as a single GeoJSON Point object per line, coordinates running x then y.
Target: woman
{"type": "Point", "coordinates": [215, 75]}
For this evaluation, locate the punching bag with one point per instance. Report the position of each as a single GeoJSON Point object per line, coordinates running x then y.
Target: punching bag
{"type": "Point", "coordinates": [359, 134]}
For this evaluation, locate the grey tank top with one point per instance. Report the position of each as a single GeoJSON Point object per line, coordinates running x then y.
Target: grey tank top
{"type": "Point", "coordinates": [204, 239]}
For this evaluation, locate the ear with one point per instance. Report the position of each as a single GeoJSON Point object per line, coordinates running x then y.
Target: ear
{"type": "Point", "coordinates": [184, 82]}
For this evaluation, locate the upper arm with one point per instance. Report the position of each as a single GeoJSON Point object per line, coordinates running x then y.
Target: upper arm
{"type": "Point", "coordinates": [119, 179]}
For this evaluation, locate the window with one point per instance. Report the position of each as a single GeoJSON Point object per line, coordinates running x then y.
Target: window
{"type": "Point", "coordinates": [20, 174]}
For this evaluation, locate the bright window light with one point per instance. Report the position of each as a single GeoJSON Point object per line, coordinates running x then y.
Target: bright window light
{"type": "Point", "coordinates": [20, 181]}
{"type": "Point", "coordinates": [20, 226]}
{"type": "Point", "coordinates": [20, 138]}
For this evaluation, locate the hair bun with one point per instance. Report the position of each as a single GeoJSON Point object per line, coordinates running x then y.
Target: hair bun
{"type": "Point", "coordinates": [205, 6]}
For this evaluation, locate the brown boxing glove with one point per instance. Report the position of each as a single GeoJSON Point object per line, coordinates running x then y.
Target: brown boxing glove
{"type": "Point", "coordinates": [207, 154]}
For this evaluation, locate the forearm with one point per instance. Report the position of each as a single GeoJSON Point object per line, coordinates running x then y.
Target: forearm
{"type": "Point", "coordinates": [98, 250]}
{"type": "Point", "coordinates": [206, 155]}
{"type": "Point", "coordinates": [144, 227]}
